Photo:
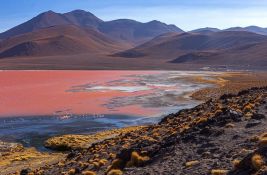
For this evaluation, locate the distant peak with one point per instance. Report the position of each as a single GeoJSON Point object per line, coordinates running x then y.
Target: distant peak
{"type": "Point", "coordinates": [155, 22]}
{"type": "Point", "coordinates": [78, 11]}
{"type": "Point", "coordinates": [49, 12]}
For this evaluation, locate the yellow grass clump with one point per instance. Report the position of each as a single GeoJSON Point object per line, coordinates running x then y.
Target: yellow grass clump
{"type": "Point", "coordinates": [102, 162]}
{"type": "Point", "coordinates": [137, 160]}
{"type": "Point", "coordinates": [191, 163]}
{"type": "Point", "coordinates": [115, 172]}
{"type": "Point", "coordinates": [263, 140]}
{"type": "Point", "coordinates": [236, 163]}
{"type": "Point", "coordinates": [201, 120]}
{"type": "Point", "coordinates": [219, 172]}
{"type": "Point", "coordinates": [248, 107]}
{"type": "Point", "coordinates": [254, 139]}
{"type": "Point", "coordinates": [112, 156]}
{"type": "Point", "coordinates": [67, 142]}
{"type": "Point", "coordinates": [71, 172]}
{"type": "Point", "coordinates": [96, 164]}
{"type": "Point", "coordinates": [116, 164]}
{"type": "Point", "coordinates": [229, 125]}
{"type": "Point", "coordinates": [88, 173]}
{"type": "Point", "coordinates": [257, 161]}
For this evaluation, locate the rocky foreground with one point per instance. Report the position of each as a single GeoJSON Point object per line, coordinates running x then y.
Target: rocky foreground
{"type": "Point", "coordinates": [223, 136]}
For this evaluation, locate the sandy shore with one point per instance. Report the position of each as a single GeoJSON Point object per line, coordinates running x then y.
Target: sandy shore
{"type": "Point", "coordinates": [229, 83]}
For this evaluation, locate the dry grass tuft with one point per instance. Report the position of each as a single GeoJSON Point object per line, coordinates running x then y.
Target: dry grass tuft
{"type": "Point", "coordinates": [68, 142]}
{"type": "Point", "coordinates": [257, 161]}
{"type": "Point", "coordinates": [102, 162]}
{"type": "Point", "coordinates": [191, 163]}
{"type": "Point", "coordinates": [116, 164]}
{"type": "Point", "coordinates": [263, 140]}
{"type": "Point", "coordinates": [229, 125]}
{"type": "Point", "coordinates": [96, 165]}
{"type": "Point", "coordinates": [71, 172]}
{"type": "Point", "coordinates": [219, 172]}
{"type": "Point", "coordinates": [236, 163]}
{"type": "Point", "coordinates": [88, 173]}
{"type": "Point", "coordinates": [137, 160]}
{"type": "Point", "coordinates": [115, 172]}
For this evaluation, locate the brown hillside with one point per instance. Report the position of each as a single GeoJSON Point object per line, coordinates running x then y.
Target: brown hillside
{"type": "Point", "coordinates": [59, 40]}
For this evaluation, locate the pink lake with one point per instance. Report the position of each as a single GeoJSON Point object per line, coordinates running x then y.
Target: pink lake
{"type": "Point", "coordinates": [35, 105]}
{"type": "Point", "coordinates": [29, 93]}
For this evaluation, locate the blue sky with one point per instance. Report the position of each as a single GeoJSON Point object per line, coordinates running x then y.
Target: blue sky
{"type": "Point", "coordinates": [186, 14]}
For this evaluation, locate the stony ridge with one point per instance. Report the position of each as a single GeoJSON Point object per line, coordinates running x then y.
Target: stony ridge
{"type": "Point", "coordinates": [217, 137]}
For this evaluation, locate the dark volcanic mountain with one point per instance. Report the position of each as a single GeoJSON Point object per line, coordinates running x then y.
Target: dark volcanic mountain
{"type": "Point", "coordinates": [127, 30]}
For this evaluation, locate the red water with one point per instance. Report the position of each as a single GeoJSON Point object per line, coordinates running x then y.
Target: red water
{"type": "Point", "coordinates": [27, 93]}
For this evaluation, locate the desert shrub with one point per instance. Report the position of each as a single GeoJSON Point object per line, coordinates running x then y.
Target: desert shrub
{"type": "Point", "coordinates": [236, 163]}
{"type": "Point", "coordinates": [112, 156]}
{"type": "Point", "coordinates": [96, 165]}
{"type": "Point", "coordinates": [201, 120]}
{"type": "Point", "coordinates": [219, 172]}
{"type": "Point", "coordinates": [254, 139]}
{"type": "Point", "coordinates": [137, 160]}
{"type": "Point", "coordinates": [191, 163]}
{"type": "Point", "coordinates": [117, 164]}
{"type": "Point", "coordinates": [248, 107]}
{"type": "Point", "coordinates": [88, 173]}
{"type": "Point", "coordinates": [115, 172]}
{"type": "Point", "coordinates": [257, 161]}
{"type": "Point", "coordinates": [263, 140]}
{"type": "Point", "coordinates": [218, 112]}
{"type": "Point", "coordinates": [102, 162]}
{"type": "Point", "coordinates": [60, 164]}
{"type": "Point", "coordinates": [229, 125]}
{"type": "Point", "coordinates": [72, 172]}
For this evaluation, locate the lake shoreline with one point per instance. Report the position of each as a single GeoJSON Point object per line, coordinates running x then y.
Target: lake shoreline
{"type": "Point", "coordinates": [219, 85]}
{"type": "Point", "coordinates": [180, 135]}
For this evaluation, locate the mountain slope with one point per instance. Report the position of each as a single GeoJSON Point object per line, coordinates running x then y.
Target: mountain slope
{"type": "Point", "coordinates": [137, 32]}
{"type": "Point", "coordinates": [46, 19]}
{"type": "Point", "coordinates": [169, 45]}
{"type": "Point", "coordinates": [246, 55]}
{"type": "Point", "coordinates": [59, 40]}
{"type": "Point", "coordinates": [59, 45]}
{"type": "Point", "coordinates": [83, 19]}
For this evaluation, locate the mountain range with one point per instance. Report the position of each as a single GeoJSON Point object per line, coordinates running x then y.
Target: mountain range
{"type": "Point", "coordinates": [80, 40]}
{"type": "Point", "coordinates": [123, 29]}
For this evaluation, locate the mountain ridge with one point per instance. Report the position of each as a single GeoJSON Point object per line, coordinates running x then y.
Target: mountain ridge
{"type": "Point", "coordinates": [55, 38]}
{"type": "Point", "coordinates": [86, 19]}
{"type": "Point", "coordinates": [169, 45]}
